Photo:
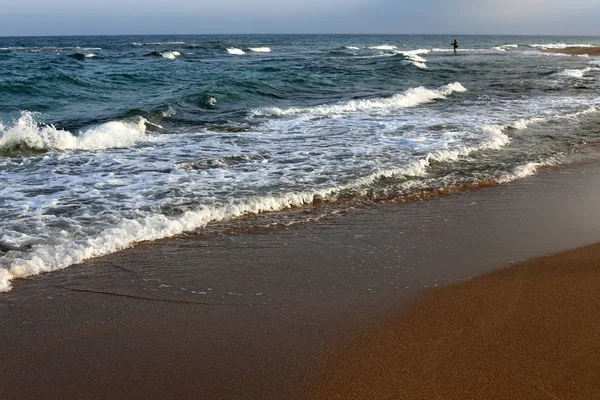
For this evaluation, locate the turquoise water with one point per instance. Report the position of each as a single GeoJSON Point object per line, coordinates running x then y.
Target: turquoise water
{"type": "Point", "coordinates": [108, 141]}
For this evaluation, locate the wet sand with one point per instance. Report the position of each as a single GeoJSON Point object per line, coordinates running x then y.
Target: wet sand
{"type": "Point", "coordinates": [259, 315]}
{"type": "Point", "coordinates": [576, 51]}
{"type": "Point", "coordinates": [530, 332]}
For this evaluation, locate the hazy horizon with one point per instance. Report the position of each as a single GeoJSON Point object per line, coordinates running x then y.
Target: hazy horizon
{"type": "Point", "coordinates": [179, 17]}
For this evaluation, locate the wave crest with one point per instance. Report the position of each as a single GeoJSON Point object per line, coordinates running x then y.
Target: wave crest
{"type": "Point", "coordinates": [259, 49]}
{"type": "Point", "coordinates": [235, 51]}
{"type": "Point", "coordinates": [410, 98]}
{"type": "Point", "coordinates": [27, 136]}
{"type": "Point", "coordinates": [573, 73]}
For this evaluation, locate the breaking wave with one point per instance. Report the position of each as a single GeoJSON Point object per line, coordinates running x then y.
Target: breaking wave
{"type": "Point", "coordinates": [46, 258]}
{"type": "Point", "coordinates": [384, 47]}
{"type": "Point", "coordinates": [235, 51]}
{"type": "Point", "coordinates": [171, 55]}
{"type": "Point", "coordinates": [410, 98]}
{"type": "Point", "coordinates": [259, 49]}
{"type": "Point", "coordinates": [27, 136]}
{"type": "Point", "coordinates": [505, 47]}
{"type": "Point", "coordinates": [574, 73]}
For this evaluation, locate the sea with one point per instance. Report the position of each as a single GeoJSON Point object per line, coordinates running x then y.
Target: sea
{"type": "Point", "coordinates": [109, 141]}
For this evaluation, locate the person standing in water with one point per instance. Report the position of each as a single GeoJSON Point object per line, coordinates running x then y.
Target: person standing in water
{"type": "Point", "coordinates": [455, 45]}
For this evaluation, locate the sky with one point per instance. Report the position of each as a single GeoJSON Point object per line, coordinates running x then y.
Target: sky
{"type": "Point", "coordinates": [99, 17]}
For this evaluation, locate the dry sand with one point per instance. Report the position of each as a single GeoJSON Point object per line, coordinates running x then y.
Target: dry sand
{"type": "Point", "coordinates": [576, 51]}
{"type": "Point", "coordinates": [528, 332]}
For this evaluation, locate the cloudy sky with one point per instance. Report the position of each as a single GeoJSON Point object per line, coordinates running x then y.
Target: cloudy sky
{"type": "Point", "coordinates": [75, 17]}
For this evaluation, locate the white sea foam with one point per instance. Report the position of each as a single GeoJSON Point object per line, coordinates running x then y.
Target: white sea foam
{"type": "Point", "coordinates": [410, 98]}
{"type": "Point", "coordinates": [418, 64]}
{"type": "Point", "coordinates": [171, 55]}
{"type": "Point", "coordinates": [505, 47]}
{"type": "Point", "coordinates": [259, 49]}
{"type": "Point", "coordinates": [526, 122]}
{"type": "Point", "coordinates": [573, 73]}
{"type": "Point", "coordinates": [415, 52]}
{"type": "Point", "coordinates": [26, 134]}
{"type": "Point", "coordinates": [235, 51]}
{"type": "Point", "coordinates": [522, 171]}
{"type": "Point", "coordinates": [383, 47]}
{"type": "Point", "coordinates": [64, 251]}
{"type": "Point", "coordinates": [558, 46]}
{"type": "Point", "coordinates": [46, 258]}
{"type": "Point", "coordinates": [413, 55]}
{"type": "Point", "coordinates": [351, 48]}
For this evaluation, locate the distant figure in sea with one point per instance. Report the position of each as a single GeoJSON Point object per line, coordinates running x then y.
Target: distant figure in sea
{"type": "Point", "coordinates": [455, 45]}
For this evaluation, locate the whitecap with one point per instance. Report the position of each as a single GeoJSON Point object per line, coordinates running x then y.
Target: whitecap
{"type": "Point", "coordinates": [235, 51]}
{"type": "Point", "coordinates": [383, 47]}
{"type": "Point", "coordinates": [171, 55]}
{"type": "Point", "coordinates": [573, 73]}
{"type": "Point", "coordinates": [418, 64]}
{"type": "Point", "coordinates": [259, 49]}
{"type": "Point", "coordinates": [505, 47]}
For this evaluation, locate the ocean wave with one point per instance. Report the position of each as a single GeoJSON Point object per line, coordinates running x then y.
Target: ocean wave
{"type": "Point", "coordinates": [127, 232]}
{"type": "Point", "coordinates": [351, 48]}
{"type": "Point", "coordinates": [259, 49]}
{"type": "Point", "coordinates": [413, 55]}
{"type": "Point", "coordinates": [27, 136]}
{"type": "Point", "coordinates": [410, 98]}
{"type": "Point", "coordinates": [235, 51]}
{"type": "Point", "coordinates": [415, 52]}
{"type": "Point", "coordinates": [46, 258]}
{"type": "Point", "coordinates": [417, 64]}
{"type": "Point", "coordinates": [505, 47]}
{"type": "Point", "coordinates": [526, 122]}
{"type": "Point", "coordinates": [383, 47]}
{"type": "Point", "coordinates": [83, 56]}
{"type": "Point", "coordinates": [573, 73]}
{"type": "Point", "coordinates": [171, 55]}
{"type": "Point", "coordinates": [523, 171]}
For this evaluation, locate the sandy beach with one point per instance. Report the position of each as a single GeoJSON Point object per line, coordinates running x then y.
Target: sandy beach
{"type": "Point", "coordinates": [576, 51]}
{"type": "Point", "coordinates": [529, 332]}
{"type": "Point", "coordinates": [338, 308]}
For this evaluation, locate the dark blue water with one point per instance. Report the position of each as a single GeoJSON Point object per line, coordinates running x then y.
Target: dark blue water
{"type": "Point", "coordinates": [107, 141]}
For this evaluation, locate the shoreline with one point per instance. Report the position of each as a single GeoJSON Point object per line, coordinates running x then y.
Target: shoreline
{"type": "Point", "coordinates": [254, 315]}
